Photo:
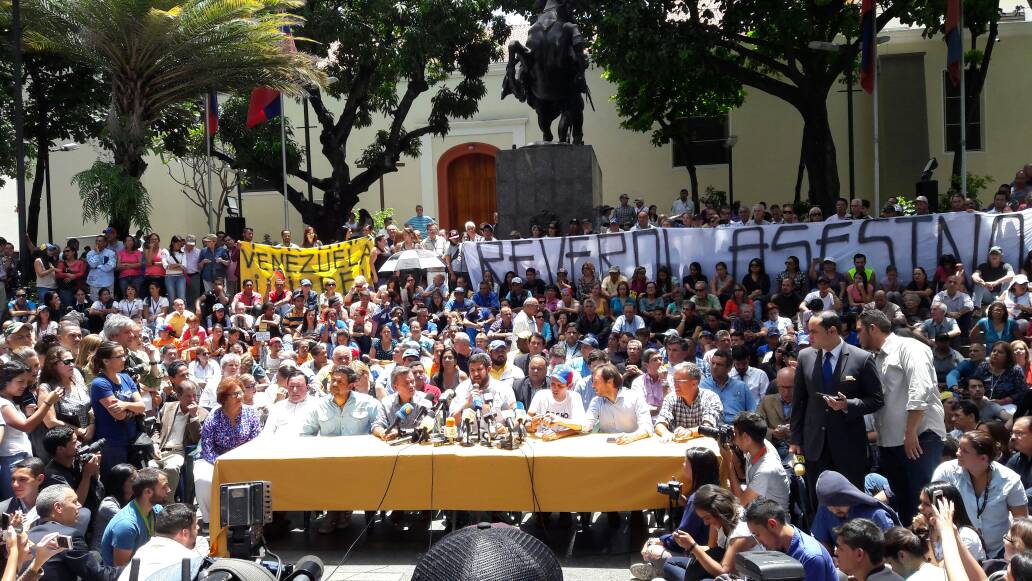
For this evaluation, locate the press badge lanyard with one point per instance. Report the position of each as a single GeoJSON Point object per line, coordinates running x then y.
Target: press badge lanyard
{"type": "Point", "coordinates": [147, 520]}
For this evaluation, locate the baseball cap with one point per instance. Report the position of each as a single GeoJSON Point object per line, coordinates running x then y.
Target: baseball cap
{"type": "Point", "coordinates": [1020, 279]}
{"type": "Point", "coordinates": [276, 340]}
{"type": "Point", "coordinates": [297, 294]}
{"type": "Point", "coordinates": [305, 281]}
{"type": "Point", "coordinates": [497, 344]}
{"type": "Point", "coordinates": [562, 374]}
{"type": "Point", "coordinates": [459, 289]}
{"type": "Point", "coordinates": [167, 328]}
{"type": "Point", "coordinates": [219, 307]}
{"type": "Point", "coordinates": [996, 250]}
{"type": "Point", "coordinates": [51, 247]}
{"type": "Point", "coordinates": [453, 235]}
{"type": "Point", "coordinates": [517, 280]}
{"type": "Point", "coordinates": [921, 199]}
{"type": "Point", "coordinates": [410, 353]}
{"type": "Point", "coordinates": [14, 328]}
{"type": "Point", "coordinates": [829, 259]}
{"type": "Point", "coordinates": [773, 333]}
{"type": "Point", "coordinates": [671, 333]}
{"type": "Point", "coordinates": [191, 239]}
{"type": "Point", "coordinates": [486, 226]}
{"type": "Point", "coordinates": [108, 230]}
{"type": "Point", "coordinates": [614, 268]}
{"type": "Point", "coordinates": [589, 340]}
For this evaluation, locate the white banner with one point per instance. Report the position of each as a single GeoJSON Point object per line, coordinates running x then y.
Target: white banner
{"type": "Point", "coordinates": [905, 242]}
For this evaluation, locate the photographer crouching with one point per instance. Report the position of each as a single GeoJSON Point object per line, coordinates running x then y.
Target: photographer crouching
{"type": "Point", "coordinates": [758, 471]}
{"type": "Point", "coordinates": [76, 466]}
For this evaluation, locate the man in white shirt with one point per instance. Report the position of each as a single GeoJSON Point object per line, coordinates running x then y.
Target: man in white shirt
{"type": "Point", "coordinates": [288, 416]}
{"type": "Point", "coordinates": [434, 242]}
{"type": "Point", "coordinates": [911, 425]}
{"type": "Point", "coordinates": [628, 322]}
{"type": "Point", "coordinates": [756, 379]}
{"type": "Point", "coordinates": [523, 322]}
{"type": "Point", "coordinates": [824, 294]}
{"type": "Point", "coordinates": [479, 383]}
{"type": "Point", "coordinates": [841, 205]}
{"type": "Point", "coordinates": [557, 412]}
{"type": "Point", "coordinates": [682, 205]}
{"type": "Point", "coordinates": [174, 539]}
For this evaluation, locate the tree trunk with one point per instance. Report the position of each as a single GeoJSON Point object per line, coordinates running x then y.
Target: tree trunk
{"type": "Point", "coordinates": [36, 194]}
{"type": "Point", "coordinates": [819, 154]}
{"type": "Point", "coordinates": [693, 177]}
{"type": "Point", "coordinates": [800, 171]}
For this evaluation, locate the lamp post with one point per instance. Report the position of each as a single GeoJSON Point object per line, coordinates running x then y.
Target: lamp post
{"type": "Point", "coordinates": [19, 134]}
{"type": "Point", "coordinates": [50, 203]}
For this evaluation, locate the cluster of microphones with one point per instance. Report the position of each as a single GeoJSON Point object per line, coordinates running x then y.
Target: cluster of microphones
{"type": "Point", "coordinates": [481, 424]}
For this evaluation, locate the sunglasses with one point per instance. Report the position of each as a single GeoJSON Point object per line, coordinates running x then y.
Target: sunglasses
{"type": "Point", "coordinates": [68, 361]}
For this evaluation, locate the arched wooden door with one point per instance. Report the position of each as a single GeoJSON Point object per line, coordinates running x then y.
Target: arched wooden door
{"type": "Point", "coordinates": [466, 185]}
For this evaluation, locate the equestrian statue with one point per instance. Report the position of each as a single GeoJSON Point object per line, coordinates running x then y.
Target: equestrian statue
{"type": "Point", "coordinates": [548, 73]}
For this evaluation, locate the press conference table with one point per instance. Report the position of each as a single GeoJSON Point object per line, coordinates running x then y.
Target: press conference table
{"type": "Point", "coordinates": [574, 474]}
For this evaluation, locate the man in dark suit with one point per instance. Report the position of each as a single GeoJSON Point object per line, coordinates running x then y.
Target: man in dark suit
{"type": "Point", "coordinates": [776, 409]}
{"type": "Point", "coordinates": [836, 385]}
{"type": "Point", "coordinates": [181, 423]}
{"type": "Point", "coordinates": [58, 509]}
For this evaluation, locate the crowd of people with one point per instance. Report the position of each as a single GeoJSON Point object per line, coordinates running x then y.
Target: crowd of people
{"type": "Point", "coordinates": [127, 368]}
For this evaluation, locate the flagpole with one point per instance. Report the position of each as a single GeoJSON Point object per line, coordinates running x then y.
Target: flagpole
{"type": "Point", "coordinates": [877, 153]}
{"type": "Point", "coordinates": [207, 146]}
{"type": "Point", "coordinates": [283, 151]}
{"type": "Point", "coordinates": [963, 105]}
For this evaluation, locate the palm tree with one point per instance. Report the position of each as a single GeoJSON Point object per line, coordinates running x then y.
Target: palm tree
{"type": "Point", "coordinates": [161, 53]}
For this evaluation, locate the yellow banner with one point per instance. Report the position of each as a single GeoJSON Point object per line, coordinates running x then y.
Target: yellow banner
{"type": "Point", "coordinates": [341, 262]}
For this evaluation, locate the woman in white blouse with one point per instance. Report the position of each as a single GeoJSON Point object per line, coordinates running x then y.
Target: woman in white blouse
{"type": "Point", "coordinates": [174, 261]}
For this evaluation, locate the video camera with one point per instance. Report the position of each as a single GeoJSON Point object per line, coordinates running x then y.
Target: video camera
{"type": "Point", "coordinates": [725, 434]}
{"type": "Point", "coordinates": [671, 489]}
{"type": "Point", "coordinates": [86, 452]}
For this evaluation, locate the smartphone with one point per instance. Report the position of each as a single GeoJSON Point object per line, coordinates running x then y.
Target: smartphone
{"type": "Point", "coordinates": [5, 521]}
{"type": "Point", "coordinates": [936, 495]}
{"type": "Point", "coordinates": [64, 541]}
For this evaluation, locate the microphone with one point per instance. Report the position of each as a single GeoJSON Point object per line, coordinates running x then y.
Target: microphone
{"type": "Point", "coordinates": [509, 417]}
{"type": "Point", "coordinates": [405, 411]}
{"type": "Point", "coordinates": [444, 401]}
{"type": "Point", "coordinates": [422, 432]}
{"type": "Point", "coordinates": [488, 401]}
{"type": "Point", "coordinates": [522, 418]}
{"type": "Point", "coordinates": [422, 408]}
{"type": "Point", "coordinates": [450, 431]}
{"type": "Point", "coordinates": [469, 418]}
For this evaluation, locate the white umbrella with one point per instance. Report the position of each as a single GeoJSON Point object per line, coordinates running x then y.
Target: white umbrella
{"type": "Point", "coordinates": [417, 259]}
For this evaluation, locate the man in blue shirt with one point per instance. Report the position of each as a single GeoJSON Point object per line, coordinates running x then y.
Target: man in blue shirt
{"type": "Point", "coordinates": [133, 526]}
{"type": "Point", "coordinates": [102, 262]}
{"type": "Point", "coordinates": [734, 393]}
{"type": "Point", "coordinates": [419, 222]}
{"type": "Point", "coordinates": [768, 522]}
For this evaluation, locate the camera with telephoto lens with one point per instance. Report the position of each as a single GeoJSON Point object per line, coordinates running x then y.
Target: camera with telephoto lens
{"type": "Point", "coordinates": [135, 367]}
{"type": "Point", "coordinates": [671, 489]}
{"type": "Point", "coordinates": [723, 434]}
{"type": "Point", "coordinates": [85, 452]}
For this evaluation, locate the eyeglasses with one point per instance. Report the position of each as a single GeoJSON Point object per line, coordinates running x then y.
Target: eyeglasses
{"type": "Point", "coordinates": [789, 212]}
{"type": "Point", "coordinates": [68, 361]}
{"type": "Point", "coordinates": [1008, 539]}
{"type": "Point", "coordinates": [331, 284]}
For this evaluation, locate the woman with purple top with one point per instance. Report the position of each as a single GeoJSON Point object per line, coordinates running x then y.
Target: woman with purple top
{"type": "Point", "coordinates": [227, 427]}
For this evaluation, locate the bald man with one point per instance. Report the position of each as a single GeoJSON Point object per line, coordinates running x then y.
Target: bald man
{"type": "Point", "coordinates": [776, 409]}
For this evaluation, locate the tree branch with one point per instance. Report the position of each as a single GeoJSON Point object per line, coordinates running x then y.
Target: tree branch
{"type": "Point", "coordinates": [356, 97]}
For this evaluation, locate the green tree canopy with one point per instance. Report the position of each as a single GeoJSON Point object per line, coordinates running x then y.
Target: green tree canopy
{"type": "Point", "coordinates": [381, 56]}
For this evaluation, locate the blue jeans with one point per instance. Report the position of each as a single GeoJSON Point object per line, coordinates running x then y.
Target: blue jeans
{"type": "Point", "coordinates": [41, 291]}
{"type": "Point", "coordinates": [136, 281]}
{"type": "Point", "coordinates": [907, 477]}
{"type": "Point", "coordinates": [688, 568]}
{"type": "Point", "coordinates": [7, 470]}
{"type": "Point", "coordinates": [175, 286]}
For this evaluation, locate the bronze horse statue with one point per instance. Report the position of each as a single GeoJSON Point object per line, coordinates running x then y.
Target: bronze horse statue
{"type": "Point", "coordinates": [548, 73]}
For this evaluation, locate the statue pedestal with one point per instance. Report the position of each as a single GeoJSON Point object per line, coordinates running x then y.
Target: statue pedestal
{"type": "Point", "coordinates": [541, 183]}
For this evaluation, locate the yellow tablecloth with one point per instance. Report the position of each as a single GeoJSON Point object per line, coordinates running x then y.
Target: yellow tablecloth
{"type": "Point", "coordinates": [575, 474]}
